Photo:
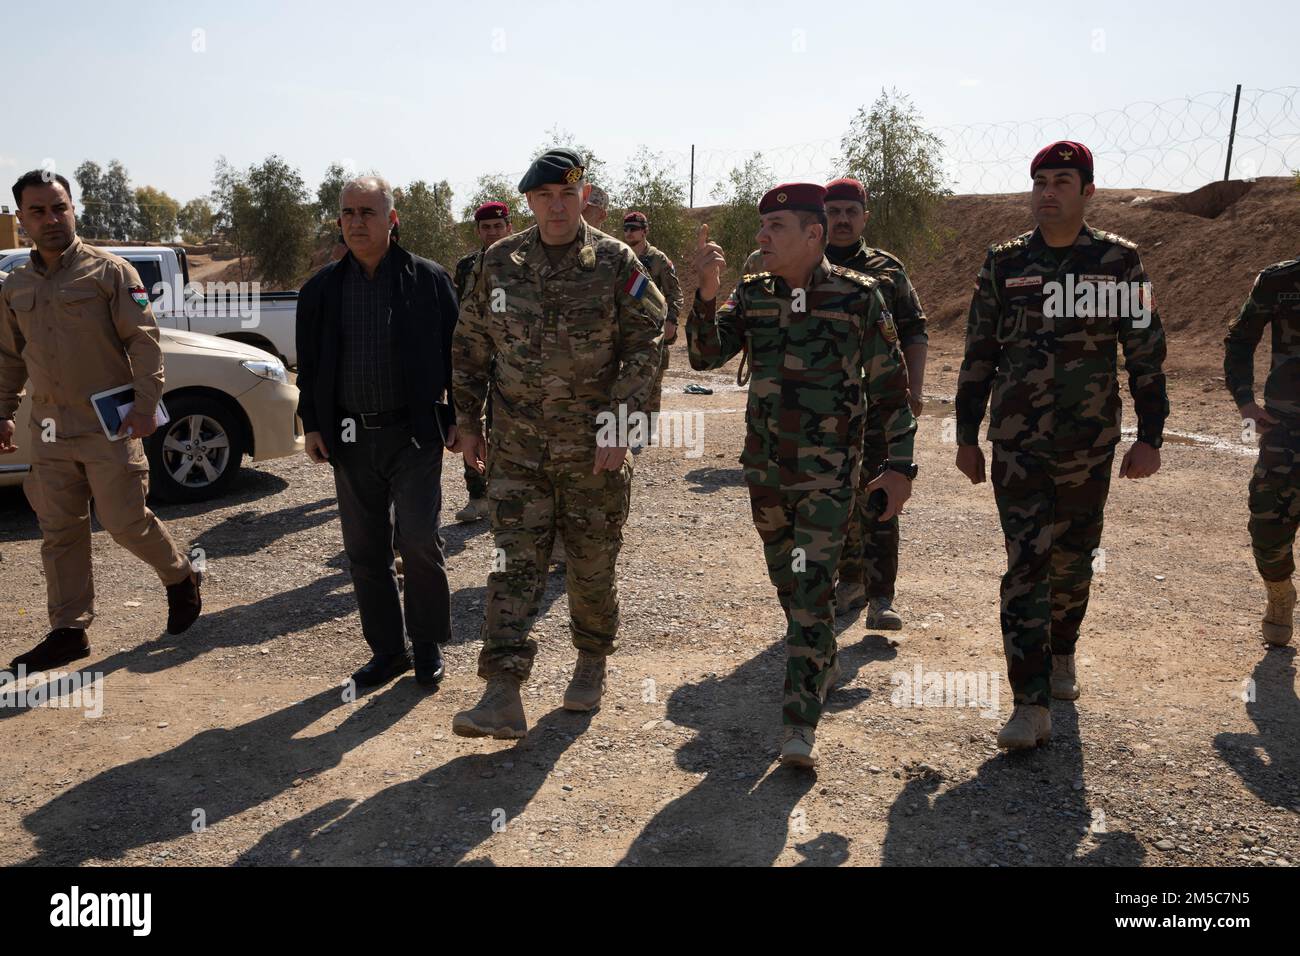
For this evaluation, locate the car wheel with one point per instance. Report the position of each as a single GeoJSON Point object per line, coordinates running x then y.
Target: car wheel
{"type": "Point", "coordinates": [197, 454]}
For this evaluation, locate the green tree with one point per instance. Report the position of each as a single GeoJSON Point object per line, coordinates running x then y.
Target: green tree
{"type": "Point", "coordinates": [279, 221]}
{"type": "Point", "coordinates": [736, 223]}
{"type": "Point", "coordinates": [92, 210]}
{"type": "Point", "coordinates": [195, 221]}
{"type": "Point", "coordinates": [232, 202]}
{"type": "Point", "coordinates": [327, 200]}
{"type": "Point", "coordinates": [648, 185]}
{"type": "Point", "coordinates": [427, 224]}
{"type": "Point", "coordinates": [899, 161]}
{"type": "Point", "coordinates": [156, 215]}
{"type": "Point", "coordinates": [496, 187]}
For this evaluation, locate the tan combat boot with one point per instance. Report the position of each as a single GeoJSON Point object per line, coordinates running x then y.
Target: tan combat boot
{"type": "Point", "coordinates": [882, 616]}
{"type": "Point", "coordinates": [799, 747]}
{"type": "Point", "coordinates": [1065, 685]}
{"type": "Point", "coordinates": [1281, 607]}
{"type": "Point", "coordinates": [588, 683]}
{"type": "Point", "coordinates": [499, 714]}
{"type": "Point", "coordinates": [849, 596]}
{"type": "Point", "coordinates": [476, 510]}
{"type": "Point", "coordinates": [1029, 726]}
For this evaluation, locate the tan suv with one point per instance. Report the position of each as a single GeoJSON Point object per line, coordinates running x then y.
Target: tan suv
{"type": "Point", "coordinates": [226, 399]}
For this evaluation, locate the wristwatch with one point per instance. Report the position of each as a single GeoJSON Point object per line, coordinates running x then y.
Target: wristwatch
{"type": "Point", "coordinates": [907, 468]}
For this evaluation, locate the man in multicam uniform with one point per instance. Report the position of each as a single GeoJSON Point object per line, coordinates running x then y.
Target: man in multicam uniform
{"type": "Point", "coordinates": [1049, 310]}
{"type": "Point", "coordinates": [491, 222]}
{"type": "Point", "coordinates": [822, 346]}
{"type": "Point", "coordinates": [563, 327]}
{"type": "Point", "coordinates": [596, 211]}
{"type": "Point", "coordinates": [636, 229]}
{"type": "Point", "coordinates": [1275, 485]}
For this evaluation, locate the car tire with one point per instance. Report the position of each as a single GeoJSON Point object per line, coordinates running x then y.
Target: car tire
{"type": "Point", "coordinates": [179, 472]}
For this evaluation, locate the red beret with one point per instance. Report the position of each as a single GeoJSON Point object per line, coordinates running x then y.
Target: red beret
{"type": "Point", "coordinates": [796, 197]}
{"type": "Point", "coordinates": [1063, 154]}
{"type": "Point", "coordinates": [492, 210]}
{"type": "Point", "coordinates": [846, 189]}
{"type": "Point", "coordinates": [636, 217]}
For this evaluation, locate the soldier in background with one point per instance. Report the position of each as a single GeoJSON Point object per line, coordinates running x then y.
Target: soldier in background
{"type": "Point", "coordinates": [869, 565]}
{"type": "Point", "coordinates": [1050, 363]}
{"type": "Point", "coordinates": [636, 230]}
{"type": "Point", "coordinates": [491, 222]}
{"type": "Point", "coordinates": [596, 211]}
{"type": "Point", "coordinates": [1275, 484]}
{"type": "Point", "coordinates": [76, 321]}
{"type": "Point", "coordinates": [563, 327]}
{"type": "Point", "coordinates": [821, 345]}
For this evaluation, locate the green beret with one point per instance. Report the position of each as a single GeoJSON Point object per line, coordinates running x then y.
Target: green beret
{"type": "Point", "coordinates": [554, 167]}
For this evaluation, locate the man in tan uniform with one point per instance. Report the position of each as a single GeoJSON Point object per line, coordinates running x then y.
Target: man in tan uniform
{"type": "Point", "coordinates": [76, 321]}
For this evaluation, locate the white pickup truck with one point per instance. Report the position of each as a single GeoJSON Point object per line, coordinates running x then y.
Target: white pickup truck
{"type": "Point", "coordinates": [229, 310]}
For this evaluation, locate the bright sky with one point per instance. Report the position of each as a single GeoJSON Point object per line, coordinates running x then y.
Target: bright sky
{"type": "Point", "coordinates": [449, 91]}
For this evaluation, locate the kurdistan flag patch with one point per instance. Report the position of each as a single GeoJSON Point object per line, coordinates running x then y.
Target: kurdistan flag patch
{"type": "Point", "coordinates": [140, 296]}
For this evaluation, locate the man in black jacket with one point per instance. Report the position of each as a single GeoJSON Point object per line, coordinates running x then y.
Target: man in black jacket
{"type": "Point", "coordinates": [374, 352]}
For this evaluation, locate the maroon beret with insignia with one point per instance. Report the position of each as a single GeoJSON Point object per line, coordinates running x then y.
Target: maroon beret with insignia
{"type": "Point", "coordinates": [796, 197]}
{"type": "Point", "coordinates": [637, 219]}
{"type": "Point", "coordinates": [1063, 154]}
{"type": "Point", "coordinates": [492, 210]}
{"type": "Point", "coordinates": [846, 189]}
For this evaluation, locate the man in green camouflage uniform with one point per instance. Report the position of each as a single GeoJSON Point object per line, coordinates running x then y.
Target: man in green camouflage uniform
{"type": "Point", "coordinates": [1050, 309]}
{"type": "Point", "coordinates": [868, 569]}
{"type": "Point", "coordinates": [1275, 485]}
{"type": "Point", "coordinates": [636, 229]}
{"type": "Point", "coordinates": [563, 327]}
{"type": "Point", "coordinates": [869, 565]}
{"type": "Point", "coordinates": [491, 222]}
{"type": "Point", "coordinates": [821, 346]}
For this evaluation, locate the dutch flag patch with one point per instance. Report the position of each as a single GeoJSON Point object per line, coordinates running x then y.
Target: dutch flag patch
{"type": "Point", "coordinates": [636, 284]}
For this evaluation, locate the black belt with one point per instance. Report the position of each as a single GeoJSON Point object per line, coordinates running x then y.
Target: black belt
{"type": "Point", "coordinates": [373, 420]}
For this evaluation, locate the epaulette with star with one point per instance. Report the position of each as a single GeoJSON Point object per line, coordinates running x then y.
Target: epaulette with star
{"type": "Point", "coordinates": [1019, 242]}
{"type": "Point", "coordinates": [857, 278]}
{"type": "Point", "coordinates": [1104, 236]}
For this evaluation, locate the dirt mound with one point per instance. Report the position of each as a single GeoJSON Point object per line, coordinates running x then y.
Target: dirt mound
{"type": "Point", "coordinates": [1202, 250]}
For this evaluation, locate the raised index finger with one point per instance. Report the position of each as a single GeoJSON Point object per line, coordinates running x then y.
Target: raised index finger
{"type": "Point", "coordinates": [702, 239]}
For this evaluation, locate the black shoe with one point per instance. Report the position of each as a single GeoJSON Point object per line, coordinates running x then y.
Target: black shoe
{"type": "Point", "coordinates": [61, 646]}
{"type": "Point", "coordinates": [184, 603]}
{"type": "Point", "coordinates": [428, 663]}
{"type": "Point", "coordinates": [382, 668]}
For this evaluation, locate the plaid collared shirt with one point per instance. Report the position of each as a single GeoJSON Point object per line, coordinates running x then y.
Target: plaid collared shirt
{"type": "Point", "coordinates": [370, 373]}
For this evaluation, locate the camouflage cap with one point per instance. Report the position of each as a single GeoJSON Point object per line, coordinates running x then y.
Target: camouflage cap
{"type": "Point", "coordinates": [554, 167]}
{"type": "Point", "coordinates": [598, 198]}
